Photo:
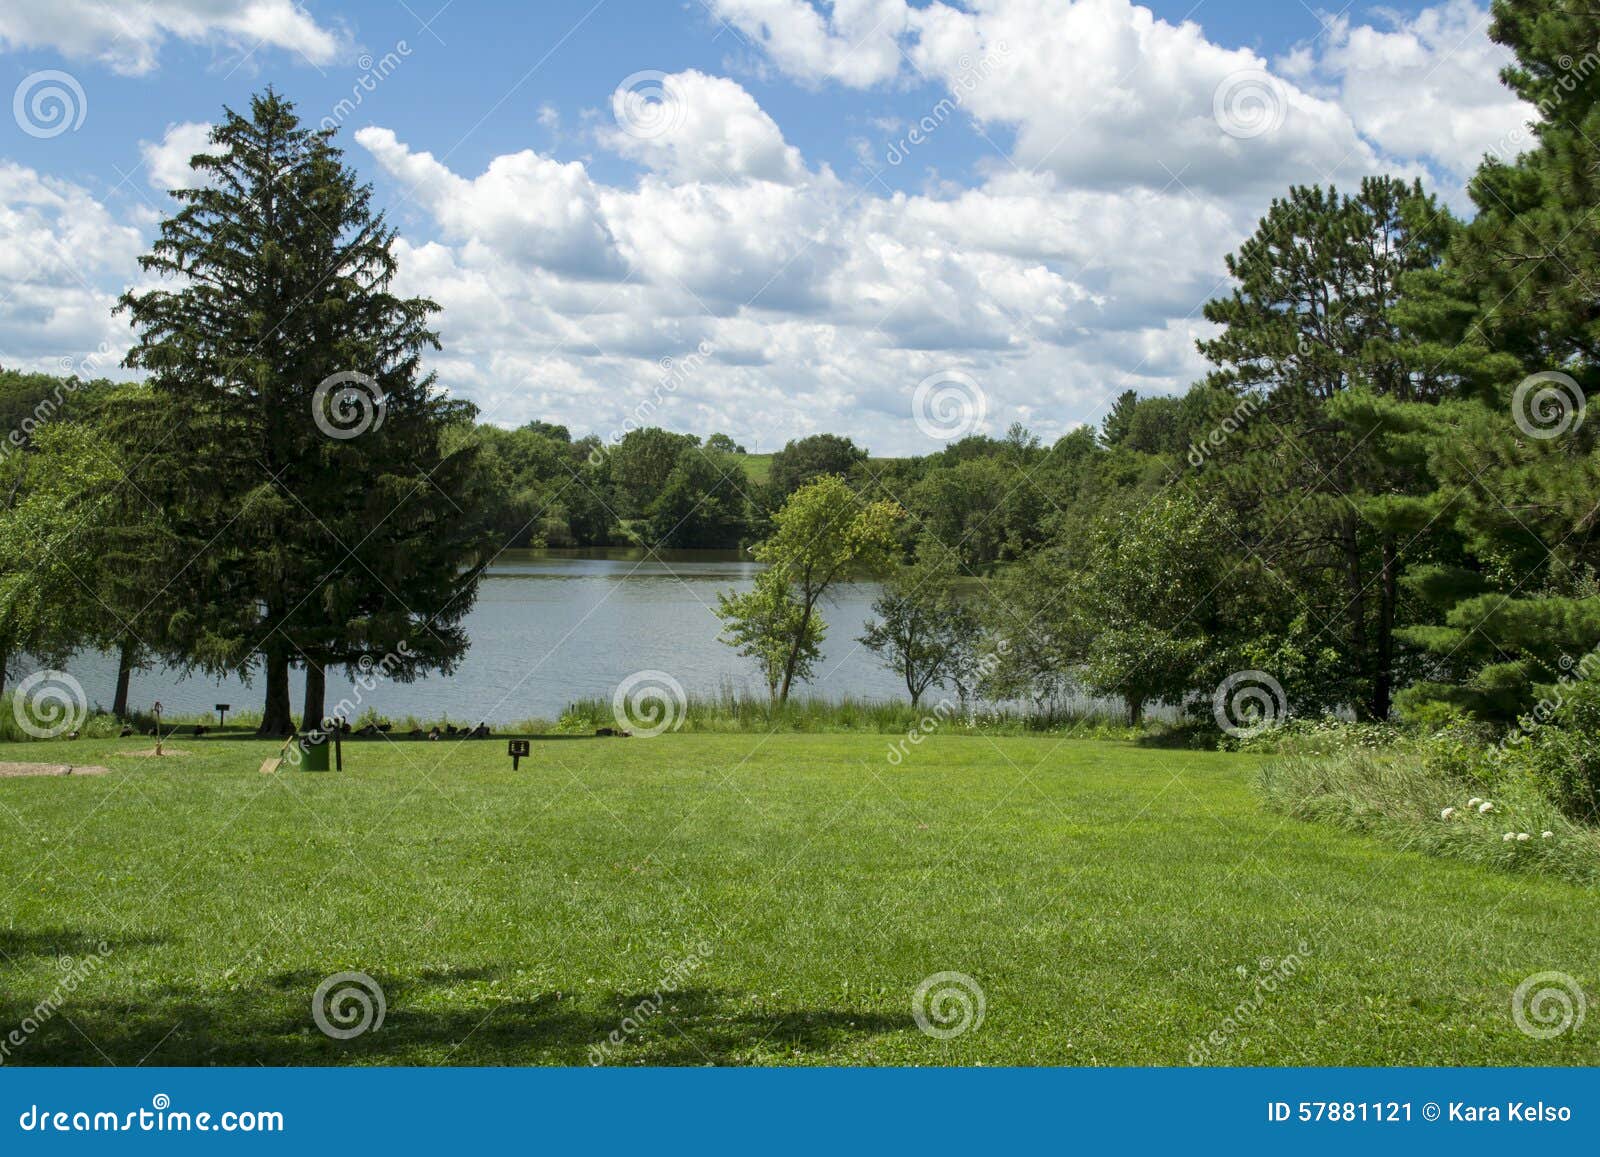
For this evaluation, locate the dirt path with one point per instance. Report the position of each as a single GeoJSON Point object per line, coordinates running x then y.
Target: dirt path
{"type": "Point", "coordinates": [17, 769]}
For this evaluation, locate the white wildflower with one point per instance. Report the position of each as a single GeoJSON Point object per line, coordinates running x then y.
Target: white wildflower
{"type": "Point", "coordinates": [1447, 813]}
{"type": "Point", "coordinates": [1522, 836]}
{"type": "Point", "coordinates": [1485, 807]}
{"type": "Point", "coordinates": [1546, 835]}
{"type": "Point", "coordinates": [1474, 801]}
{"type": "Point", "coordinates": [1509, 836]}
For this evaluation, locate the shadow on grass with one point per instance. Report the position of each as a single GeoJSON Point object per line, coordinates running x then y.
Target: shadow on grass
{"type": "Point", "coordinates": [429, 1021]}
{"type": "Point", "coordinates": [17, 945]}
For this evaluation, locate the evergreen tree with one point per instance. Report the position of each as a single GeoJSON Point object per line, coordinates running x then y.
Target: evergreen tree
{"type": "Point", "coordinates": [1331, 497]}
{"type": "Point", "coordinates": [295, 440]}
{"type": "Point", "coordinates": [1515, 312]}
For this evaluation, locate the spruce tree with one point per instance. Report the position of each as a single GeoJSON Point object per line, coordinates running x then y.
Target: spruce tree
{"type": "Point", "coordinates": [294, 439]}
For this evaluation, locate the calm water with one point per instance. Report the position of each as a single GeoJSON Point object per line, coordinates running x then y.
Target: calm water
{"type": "Point", "coordinates": [554, 625]}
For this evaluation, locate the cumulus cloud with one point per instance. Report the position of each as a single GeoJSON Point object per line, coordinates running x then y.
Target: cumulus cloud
{"type": "Point", "coordinates": [694, 127]}
{"type": "Point", "coordinates": [128, 37]}
{"type": "Point", "coordinates": [855, 43]}
{"type": "Point", "coordinates": [1422, 87]}
{"type": "Point", "coordinates": [166, 162]}
{"type": "Point", "coordinates": [1104, 94]}
{"type": "Point", "coordinates": [524, 207]}
{"type": "Point", "coordinates": [61, 257]}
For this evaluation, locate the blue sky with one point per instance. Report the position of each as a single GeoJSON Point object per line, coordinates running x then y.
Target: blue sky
{"type": "Point", "coordinates": [775, 222]}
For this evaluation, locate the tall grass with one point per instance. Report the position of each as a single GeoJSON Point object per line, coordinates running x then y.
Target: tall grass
{"type": "Point", "coordinates": [733, 712]}
{"type": "Point", "coordinates": [13, 715]}
{"type": "Point", "coordinates": [1397, 796]}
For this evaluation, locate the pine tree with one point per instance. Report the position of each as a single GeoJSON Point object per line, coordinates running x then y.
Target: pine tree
{"type": "Point", "coordinates": [1331, 499]}
{"type": "Point", "coordinates": [294, 438]}
{"type": "Point", "coordinates": [1518, 465]}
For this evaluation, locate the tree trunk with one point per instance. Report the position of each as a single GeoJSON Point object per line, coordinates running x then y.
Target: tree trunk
{"type": "Point", "coordinates": [1383, 675]}
{"type": "Point", "coordinates": [1356, 611]}
{"type": "Point", "coordinates": [126, 657]}
{"type": "Point", "coordinates": [794, 655]}
{"type": "Point", "coordinates": [1135, 709]}
{"type": "Point", "coordinates": [313, 715]}
{"type": "Point", "coordinates": [5, 662]}
{"type": "Point", "coordinates": [275, 717]}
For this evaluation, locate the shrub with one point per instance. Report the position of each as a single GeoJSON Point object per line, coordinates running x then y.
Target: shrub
{"type": "Point", "coordinates": [1561, 756]}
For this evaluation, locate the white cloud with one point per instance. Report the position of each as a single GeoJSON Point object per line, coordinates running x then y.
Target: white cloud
{"type": "Point", "coordinates": [824, 305]}
{"type": "Point", "coordinates": [129, 37]}
{"type": "Point", "coordinates": [856, 43]}
{"type": "Point", "coordinates": [524, 207]}
{"type": "Point", "coordinates": [61, 257]}
{"type": "Point", "coordinates": [694, 127]}
{"type": "Point", "coordinates": [166, 162]}
{"type": "Point", "coordinates": [1423, 87]}
{"type": "Point", "coordinates": [1104, 94]}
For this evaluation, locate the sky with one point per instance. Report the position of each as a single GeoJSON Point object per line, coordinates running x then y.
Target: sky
{"type": "Point", "coordinates": [899, 221]}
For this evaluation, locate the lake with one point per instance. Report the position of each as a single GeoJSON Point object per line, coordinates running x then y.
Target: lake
{"type": "Point", "coordinates": [551, 626]}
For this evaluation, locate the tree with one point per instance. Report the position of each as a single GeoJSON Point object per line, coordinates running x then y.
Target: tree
{"type": "Point", "coordinates": [824, 533]}
{"type": "Point", "coordinates": [725, 444]}
{"type": "Point", "coordinates": [293, 437]}
{"type": "Point", "coordinates": [1330, 496]}
{"type": "Point", "coordinates": [924, 632]}
{"type": "Point", "coordinates": [641, 462]}
{"type": "Point", "coordinates": [1153, 598]}
{"type": "Point", "coordinates": [701, 504]}
{"type": "Point", "coordinates": [1513, 313]}
{"type": "Point", "coordinates": [55, 512]}
{"type": "Point", "coordinates": [768, 624]}
{"type": "Point", "coordinates": [807, 459]}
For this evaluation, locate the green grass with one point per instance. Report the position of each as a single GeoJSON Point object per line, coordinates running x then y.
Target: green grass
{"type": "Point", "coordinates": [757, 467]}
{"type": "Point", "coordinates": [1115, 903]}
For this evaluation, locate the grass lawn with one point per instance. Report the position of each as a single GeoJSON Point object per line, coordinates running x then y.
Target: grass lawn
{"type": "Point", "coordinates": [1114, 903]}
{"type": "Point", "coordinates": [757, 467]}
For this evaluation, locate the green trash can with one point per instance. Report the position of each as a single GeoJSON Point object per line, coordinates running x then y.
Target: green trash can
{"type": "Point", "coordinates": [313, 747]}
